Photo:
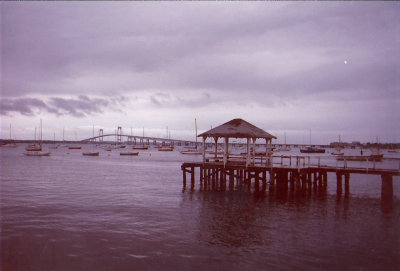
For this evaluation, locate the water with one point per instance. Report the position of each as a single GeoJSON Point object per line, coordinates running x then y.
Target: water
{"type": "Point", "coordinates": [72, 212]}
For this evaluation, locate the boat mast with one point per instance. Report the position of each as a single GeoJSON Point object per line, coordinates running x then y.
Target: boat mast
{"type": "Point", "coordinates": [195, 124]}
{"type": "Point", "coordinates": [40, 131]}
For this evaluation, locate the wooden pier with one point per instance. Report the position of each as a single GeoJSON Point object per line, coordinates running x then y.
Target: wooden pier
{"type": "Point", "coordinates": [218, 176]}
{"type": "Point", "coordinates": [261, 169]}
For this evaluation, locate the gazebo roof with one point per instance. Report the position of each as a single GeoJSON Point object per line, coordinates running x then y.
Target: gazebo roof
{"type": "Point", "coordinates": [237, 128]}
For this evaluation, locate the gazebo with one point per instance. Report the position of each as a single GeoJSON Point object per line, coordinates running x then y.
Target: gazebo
{"type": "Point", "coordinates": [238, 128]}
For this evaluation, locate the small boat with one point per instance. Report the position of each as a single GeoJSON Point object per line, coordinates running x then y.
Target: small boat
{"type": "Point", "coordinates": [311, 149]}
{"type": "Point", "coordinates": [191, 151]}
{"type": "Point", "coordinates": [165, 148]}
{"type": "Point", "coordinates": [34, 147]}
{"type": "Point", "coordinates": [195, 150]}
{"type": "Point", "coordinates": [392, 150]}
{"type": "Point", "coordinates": [91, 153]}
{"type": "Point", "coordinates": [37, 153]}
{"type": "Point", "coordinates": [337, 151]}
{"type": "Point", "coordinates": [75, 147]}
{"type": "Point", "coordinates": [284, 147]}
{"type": "Point", "coordinates": [55, 147]}
{"type": "Point", "coordinates": [9, 145]}
{"type": "Point", "coordinates": [140, 147]}
{"type": "Point", "coordinates": [129, 153]}
{"type": "Point", "coordinates": [360, 158]}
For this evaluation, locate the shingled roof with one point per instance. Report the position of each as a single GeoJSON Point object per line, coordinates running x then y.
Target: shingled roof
{"type": "Point", "coordinates": [237, 128]}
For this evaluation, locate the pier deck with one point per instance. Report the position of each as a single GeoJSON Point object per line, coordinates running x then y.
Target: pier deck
{"type": "Point", "coordinates": [301, 176]}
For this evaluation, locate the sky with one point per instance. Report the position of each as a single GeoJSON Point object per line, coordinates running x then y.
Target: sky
{"type": "Point", "coordinates": [290, 68]}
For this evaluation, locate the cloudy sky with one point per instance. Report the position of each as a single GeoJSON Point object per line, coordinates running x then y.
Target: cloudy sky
{"type": "Point", "coordinates": [332, 68]}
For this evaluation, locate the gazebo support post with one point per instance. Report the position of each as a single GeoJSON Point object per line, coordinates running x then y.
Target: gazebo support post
{"type": "Point", "coordinates": [253, 153]}
{"type": "Point", "coordinates": [204, 149]}
{"type": "Point", "coordinates": [248, 152]}
{"type": "Point", "coordinates": [216, 147]}
{"type": "Point", "coordinates": [226, 154]}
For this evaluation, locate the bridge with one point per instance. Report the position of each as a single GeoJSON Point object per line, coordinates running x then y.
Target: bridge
{"type": "Point", "coordinates": [121, 138]}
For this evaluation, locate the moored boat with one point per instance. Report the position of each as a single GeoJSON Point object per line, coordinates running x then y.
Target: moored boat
{"type": "Point", "coordinates": [34, 147]}
{"type": "Point", "coordinates": [165, 148]}
{"type": "Point", "coordinates": [37, 153]}
{"type": "Point", "coordinates": [91, 153]}
{"type": "Point", "coordinates": [191, 151]}
{"type": "Point", "coordinates": [129, 153]}
{"type": "Point", "coordinates": [140, 147]}
{"type": "Point", "coordinates": [75, 147]}
{"type": "Point", "coordinates": [360, 158]}
{"type": "Point", "coordinates": [9, 145]}
{"type": "Point", "coordinates": [311, 149]}
{"type": "Point", "coordinates": [337, 152]}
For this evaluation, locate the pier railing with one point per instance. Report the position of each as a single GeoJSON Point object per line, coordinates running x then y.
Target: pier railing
{"type": "Point", "coordinates": [343, 162]}
{"type": "Point", "coordinates": [309, 161]}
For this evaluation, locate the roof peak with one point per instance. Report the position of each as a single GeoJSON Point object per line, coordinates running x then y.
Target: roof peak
{"type": "Point", "coordinates": [237, 128]}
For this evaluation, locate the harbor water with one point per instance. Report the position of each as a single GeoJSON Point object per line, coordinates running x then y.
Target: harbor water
{"type": "Point", "coordinates": [74, 212]}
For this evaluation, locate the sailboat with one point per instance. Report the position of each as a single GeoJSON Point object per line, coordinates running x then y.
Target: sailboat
{"type": "Point", "coordinates": [312, 149]}
{"type": "Point", "coordinates": [338, 149]}
{"type": "Point", "coordinates": [36, 149]}
{"type": "Point", "coordinates": [141, 147]}
{"type": "Point", "coordinates": [129, 153]}
{"type": "Point", "coordinates": [194, 151]}
{"type": "Point", "coordinates": [34, 146]}
{"type": "Point", "coordinates": [10, 143]}
{"type": "Point", "coordinates": [283, 148]}
{"type": "Point", "coordinates": [55, 146]}
{"type": "Point", "coordinates": [376, 153]}
{"type": "Point", "coordinates": [92, 153]}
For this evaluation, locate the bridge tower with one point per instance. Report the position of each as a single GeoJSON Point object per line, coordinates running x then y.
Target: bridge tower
{"type": "Point", "coordinates": [101, 135]}
{"type": "Point", "coordinates": [119, 135]}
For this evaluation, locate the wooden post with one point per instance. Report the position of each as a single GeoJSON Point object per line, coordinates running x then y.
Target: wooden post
{"type": "Point", "coordinates": [248, 152]}
{"type": "Point", "coordinates": [387, 193]}
{"type": "Point", "coordinates": [253, 152]}
{"type": "Point", "coordinates": [339, 183]}
{"type": "Point", "coordinates": [201, 174]}
{"type": "Point", "coordinates": [216, 147]}
{"type": "Point", "coordinates": [193, 177]}
{"type": "Point", "coordinates": [184, 177]}
{"type": "Point", "coordinates": [226, 150]}
{"type": "Point", "coordinates": [346, 183]}
{"type": "Point", "coordinates": [264, 177]}
{"type": "Point", "coordinates": [387, 186]}
{"type": "Point", "coordinates": [267, 152]}
{"type": "Point", "coordinates": [204, 149]}
{"type": "Point", "coordinates": [320, 181]}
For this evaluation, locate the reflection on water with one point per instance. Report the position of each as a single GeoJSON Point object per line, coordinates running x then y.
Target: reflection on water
{"type": "Point", "coordinates": [69, 212]}
{"type": "Point", "coordinates": [285, 231]}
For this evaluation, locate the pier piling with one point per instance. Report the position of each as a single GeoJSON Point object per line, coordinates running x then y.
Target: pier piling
{"type": "Point", "coordinates": [307, 180]}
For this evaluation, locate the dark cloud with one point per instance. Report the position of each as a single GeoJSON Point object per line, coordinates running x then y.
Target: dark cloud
{"type": "Point", "coordinates": [79, 107]}
{"type": "Point", "coordinates": [168, 100]}
{"type": "Point", "coordinates": [202, 56]}
{"type": "Point", "coordinates": [221, 46]}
